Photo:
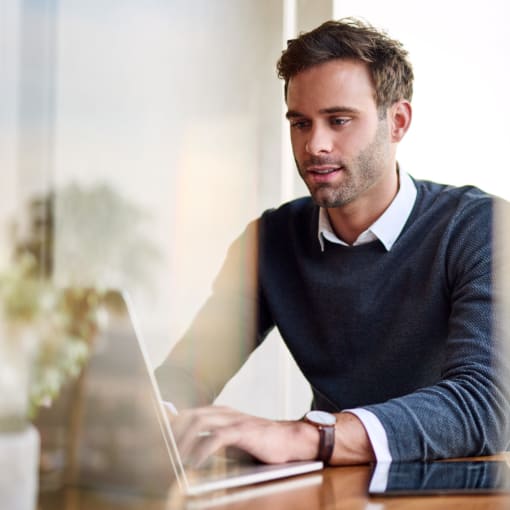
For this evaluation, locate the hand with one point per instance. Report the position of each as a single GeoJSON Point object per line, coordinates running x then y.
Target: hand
{"type": "Point", "coordinates": [202, 432]}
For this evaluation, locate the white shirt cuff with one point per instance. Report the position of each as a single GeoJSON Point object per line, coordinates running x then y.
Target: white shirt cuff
{"type": "Point", "coordinates": [376, 433]}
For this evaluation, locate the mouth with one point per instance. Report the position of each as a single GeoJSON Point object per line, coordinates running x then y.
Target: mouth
{"type": "Point", "coordinates": [323, 173]}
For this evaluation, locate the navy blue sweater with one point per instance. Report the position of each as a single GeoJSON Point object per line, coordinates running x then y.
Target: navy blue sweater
{"type": "Point", "coordinates": [404, 333]}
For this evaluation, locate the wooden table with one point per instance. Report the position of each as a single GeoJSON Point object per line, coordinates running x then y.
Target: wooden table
{"type": "Point", "coordinates": [333, 488]}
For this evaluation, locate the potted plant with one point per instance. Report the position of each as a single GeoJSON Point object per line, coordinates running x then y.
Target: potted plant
{"type": "Point", "coordinates": [45, 335]}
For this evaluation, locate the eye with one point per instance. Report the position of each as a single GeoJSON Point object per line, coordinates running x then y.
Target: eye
{"type": "Point", "coordinates": [299, 124]}
{"type": "Point", "coordinates": [339, 121]}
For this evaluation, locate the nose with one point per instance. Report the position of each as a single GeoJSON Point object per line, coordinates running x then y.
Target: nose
{"type": "Point", "coordinates": [319, 141]}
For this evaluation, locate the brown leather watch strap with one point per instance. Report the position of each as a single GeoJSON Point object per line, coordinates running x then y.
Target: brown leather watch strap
{"type": "Point", "coordinates": [326, 442]}
{"type": "Point", "coordinates": [325, 423]}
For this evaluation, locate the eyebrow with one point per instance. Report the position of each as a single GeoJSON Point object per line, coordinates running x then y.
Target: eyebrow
{"type": "Point", "coordinates": [332, 109]}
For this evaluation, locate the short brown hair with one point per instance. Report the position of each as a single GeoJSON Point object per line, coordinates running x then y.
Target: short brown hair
{"type": "Point", "coordinates": [350, 38]}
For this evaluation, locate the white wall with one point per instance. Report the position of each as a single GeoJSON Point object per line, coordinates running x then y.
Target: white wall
{"type": "Point", "coordinates": [459, 50]}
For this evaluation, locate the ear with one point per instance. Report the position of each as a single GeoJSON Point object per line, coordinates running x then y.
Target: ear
{"type": "Point", "coordinates": [400, 115]}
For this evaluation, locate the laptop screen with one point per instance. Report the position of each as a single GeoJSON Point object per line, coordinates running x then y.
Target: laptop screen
{"type": "Point", "coordinates": [103, 431]}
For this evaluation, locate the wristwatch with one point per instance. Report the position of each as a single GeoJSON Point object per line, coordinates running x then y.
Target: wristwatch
{"type": "Point", "coordinates": [325, 423]}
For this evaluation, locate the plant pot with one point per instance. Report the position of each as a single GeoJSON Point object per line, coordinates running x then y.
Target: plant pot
{"type": "Point", "coordinates": [19, 463]}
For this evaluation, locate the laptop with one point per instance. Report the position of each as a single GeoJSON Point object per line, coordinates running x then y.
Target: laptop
{"type": "Point", "coordinates": [121, 436]}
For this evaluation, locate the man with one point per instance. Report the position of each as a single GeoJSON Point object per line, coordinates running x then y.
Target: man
{"type": "Point", "coordinates": [380, 285]}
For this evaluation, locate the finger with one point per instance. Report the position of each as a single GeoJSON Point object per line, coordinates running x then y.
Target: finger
{"type": "Point", "coordinates": [213, 443]}
{"type": "Point", "coordinates": [201, 417]}
{"type": "Point", "coordinates": [200, 450]}
{"type": "Point", "coordinates": [193, 426]}
{"type": "Point", "coordinates": [263, 439]}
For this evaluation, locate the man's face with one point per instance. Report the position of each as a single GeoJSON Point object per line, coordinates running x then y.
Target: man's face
{"type": "Point", "coordinates": [341, 146]}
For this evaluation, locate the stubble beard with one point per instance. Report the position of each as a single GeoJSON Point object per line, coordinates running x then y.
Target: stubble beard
{"type": "Point", "coordinates": [358, 175]}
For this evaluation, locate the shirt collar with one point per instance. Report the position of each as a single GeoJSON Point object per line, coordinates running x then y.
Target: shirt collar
{"type": "Point", "coordinates": [386, 228]}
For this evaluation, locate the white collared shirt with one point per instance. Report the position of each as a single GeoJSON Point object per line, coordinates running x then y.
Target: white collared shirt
{"type": "Point", "coordinates": [386, 228]}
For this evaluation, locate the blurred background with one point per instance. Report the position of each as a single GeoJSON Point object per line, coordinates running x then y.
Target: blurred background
{"type": "Point", "coordinates": [137, 139]}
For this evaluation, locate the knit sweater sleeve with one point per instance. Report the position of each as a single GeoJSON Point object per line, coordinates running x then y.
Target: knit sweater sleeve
{"type": "Point", "coordinates": [465, 412]}
{"type": "Point", "coordinates": [227, 328]}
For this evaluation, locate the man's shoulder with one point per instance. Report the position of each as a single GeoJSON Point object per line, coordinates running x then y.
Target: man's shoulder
{"type": "Point", "coordinates": [452, 215]}
{"type": "Point", "coordinates": [450, 197]}
{"type": "Point", "coordinates": [301, 205]}
{"type": "Point", "coordinates": [298, 209]}
{"type": "Point", "coordinates": [437, 188]}
{"type": "Point", "coordinates": [297, 218]}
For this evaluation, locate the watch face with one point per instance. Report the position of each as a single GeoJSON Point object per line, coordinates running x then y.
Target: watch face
{"type": "Point", "coordinates": [321, 418]}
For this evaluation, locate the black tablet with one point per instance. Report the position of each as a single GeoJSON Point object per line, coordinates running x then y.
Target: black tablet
{"type": "Point", "coordinates": [442, 477]}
